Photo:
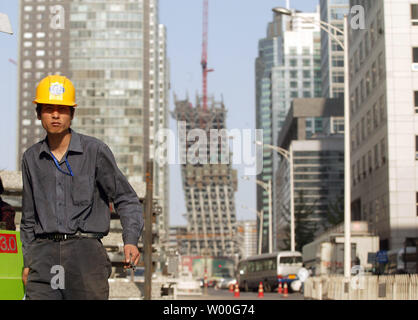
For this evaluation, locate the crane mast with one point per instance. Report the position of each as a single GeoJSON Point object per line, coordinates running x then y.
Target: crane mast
{"type": "Point", "coordinates": [204, 61]}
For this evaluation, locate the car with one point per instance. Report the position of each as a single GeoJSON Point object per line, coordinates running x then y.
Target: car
{"type": "Point", "coordinates": [210, 282]}
{"type": "Point", "coordinates": [225, 283]}
{"type": "Point", "coordinates": [186, 285]}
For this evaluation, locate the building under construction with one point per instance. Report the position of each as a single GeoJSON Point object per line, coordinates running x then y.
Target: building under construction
{"type": "Point", "coordinates": [209, 187]}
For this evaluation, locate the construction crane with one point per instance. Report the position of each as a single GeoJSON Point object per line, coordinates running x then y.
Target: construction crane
{"type": "Point", "coordinates": [204, 61]}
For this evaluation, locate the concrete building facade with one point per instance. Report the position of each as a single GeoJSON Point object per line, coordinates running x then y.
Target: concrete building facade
{"type": "Point", "coordinates": [247, 238]}
{"type": "Point", "coordinates": [384, 122]}
{"type": "Point", "coordinates": [314, 130]}
{"type": "Point", "coordinates": [332, 55]}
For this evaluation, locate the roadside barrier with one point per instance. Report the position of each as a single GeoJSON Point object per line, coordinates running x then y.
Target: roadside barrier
{"type": "Point", "coordinates": [365, 287]}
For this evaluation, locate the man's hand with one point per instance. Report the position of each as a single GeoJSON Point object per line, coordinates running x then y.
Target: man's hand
{"type": "Point", "coordinates": [131, 255]}
{"type": "Point", "coordinates": [25, 274]}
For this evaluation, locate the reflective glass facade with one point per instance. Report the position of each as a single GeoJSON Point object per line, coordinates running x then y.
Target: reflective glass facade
{"type": "Point", "coordinates": [332, 64]}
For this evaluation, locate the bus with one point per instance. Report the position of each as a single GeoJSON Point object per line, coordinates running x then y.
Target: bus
{"type": "Point", "coordinates": [270, 269]}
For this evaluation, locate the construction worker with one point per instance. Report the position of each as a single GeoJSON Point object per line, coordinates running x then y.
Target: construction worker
{"type": "Point", "coordinates": [68, 181]}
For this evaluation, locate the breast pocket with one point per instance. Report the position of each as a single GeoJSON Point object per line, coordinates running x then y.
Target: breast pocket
{"type": "Point", "coordinates": [82, 190]}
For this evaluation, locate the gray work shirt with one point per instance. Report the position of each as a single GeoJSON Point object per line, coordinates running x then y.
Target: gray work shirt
{"type": "Point", "coordinates": [54, 202]}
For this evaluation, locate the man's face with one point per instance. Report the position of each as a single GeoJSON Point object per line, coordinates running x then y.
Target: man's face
{"type": "Point", "coordinates": [55, 118]}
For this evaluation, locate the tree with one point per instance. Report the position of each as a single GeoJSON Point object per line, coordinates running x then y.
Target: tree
{"type": "Point", "coordinates": [335, 213]}
{"type": "Point", "coordinates": [305, 224]}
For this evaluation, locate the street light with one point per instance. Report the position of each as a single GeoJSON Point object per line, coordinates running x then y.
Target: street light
{"type": "Point", "coordinates": [267, 187]}
{"type": "Point", "coordinates": [260, 217]}
{"type": "Point", "coordinates": [347, 174]}
{"type": "Point", "coordinates": [287, 154]}
{"type": "Point", "coordinates": [5, 24]}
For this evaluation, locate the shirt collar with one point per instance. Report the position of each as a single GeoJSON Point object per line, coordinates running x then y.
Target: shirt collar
{"type": "Point", "coordinates": [75, 144]}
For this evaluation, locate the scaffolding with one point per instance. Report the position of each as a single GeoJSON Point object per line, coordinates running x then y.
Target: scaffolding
{"type": "Point", "coordinates": [209, 187]}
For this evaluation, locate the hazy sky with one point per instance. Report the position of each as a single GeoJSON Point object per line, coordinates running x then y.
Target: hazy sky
{"type": "Point", "coordinates": [235, 26]}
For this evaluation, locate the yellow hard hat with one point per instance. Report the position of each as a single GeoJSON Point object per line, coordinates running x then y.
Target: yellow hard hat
{"type": "Point", "coordinates": [55, 89]}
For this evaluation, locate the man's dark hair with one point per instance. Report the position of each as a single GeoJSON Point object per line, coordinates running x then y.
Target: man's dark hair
{"type": "Point", "coordinates": [1, 186]}
{"type": "Point", "coordinates": [39, 109]}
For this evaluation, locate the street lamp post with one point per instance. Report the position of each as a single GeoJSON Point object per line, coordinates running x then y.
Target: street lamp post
{"type": "Point", "coordinates": [5, 25]}
{"type": "Point", "coordinates": [347, 174]}
{"type": "Point", "coordinates": [267, 187]}
{"type": "Point", "coordinates": [287, 154]}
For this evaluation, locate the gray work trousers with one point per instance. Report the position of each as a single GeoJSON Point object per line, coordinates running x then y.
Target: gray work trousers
{"type": "Point", "coordinates": [74, 269]}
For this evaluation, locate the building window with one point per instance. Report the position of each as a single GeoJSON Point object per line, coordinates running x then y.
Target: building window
{"type": "Point", "coordinates": [363, 161]}
{"type": "Point", "coordinates": [40, 64]}
{"type": "Point", "coordinates": [293, 74]}
{"type": "Point", "coordinates": [363, 129]}
{"type": "Point", "coordinates": [415, 54]}
{"type": "Point", "coordinates": [382, 151]}
{"type": "Point", "coordinates": [416, 202]}
{"type": "Point", "coordinates": [369, 160]}
{"type": "Point", "coordinates": [416, 101]}
{"type": "Point", "coordinates": [376, 156]}
{"type": "Point", "coordinates": [375, 116]}
{"type": "Point", "coordinates": [357, 134]}
{"type": "Point", "coordinates": [414, 14]}
{"type": "Point", "coordinates": [27, 64]}
{"type": "Point", "coordinates": [369, 123]}
{"type": "Point", "coordinates": [381, 66]}
{"type": "Point", "coordinates": [382, 109]}
{"type": "Point", "coordinates": [416, 147]}
{"type": "Point", "coordinates": [415, 59]}
{"type": "Point", "coordinates": [374, 75]}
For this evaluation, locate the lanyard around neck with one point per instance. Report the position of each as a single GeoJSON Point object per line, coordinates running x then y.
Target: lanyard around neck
{"type": "Point", "coordinates": [59, 167]}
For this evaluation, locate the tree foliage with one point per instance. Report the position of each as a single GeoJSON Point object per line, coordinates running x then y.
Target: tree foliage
{"type": "Point", "coordinates": [335, 214]}
{"type": "Point", "coordinates": [305, 224]}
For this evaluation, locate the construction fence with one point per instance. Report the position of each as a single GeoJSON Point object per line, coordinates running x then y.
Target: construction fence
{"type": "Point", "coordinates": [363, 287]}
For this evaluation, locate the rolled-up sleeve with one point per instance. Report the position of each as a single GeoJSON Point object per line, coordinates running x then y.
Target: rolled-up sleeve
{"type": "Point", "coordinates": [27, 234]}
{"type": "Point", "coordinates": [121, 193]}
